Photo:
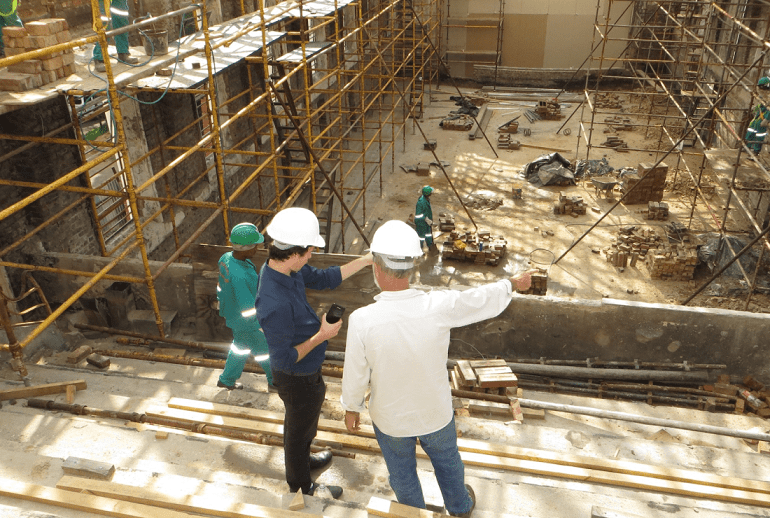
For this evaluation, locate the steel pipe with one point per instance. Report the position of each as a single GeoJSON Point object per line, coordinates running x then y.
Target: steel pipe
{"type": "Point", "coordinates": [560, 371]}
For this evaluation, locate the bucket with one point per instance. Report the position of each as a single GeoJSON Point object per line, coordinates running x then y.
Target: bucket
{"type": "Point", "coordinates": [156, 42]}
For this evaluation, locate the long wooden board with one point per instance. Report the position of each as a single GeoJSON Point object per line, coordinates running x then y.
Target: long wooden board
{"type": "Point", "coordinates": [381, 507]}
{"type": "Point", "coordinates": [84, 502]}
{"type": "Point", "coordinates": [41, 390]}
{"type": "Point", "coordinates": [504, 450]}
{"type": "Point", "coordinates": [181, 499]}
{"type": "Point", "coordinates": [256, 414]}
{"type": "Point", "coordinates": [245, 425]}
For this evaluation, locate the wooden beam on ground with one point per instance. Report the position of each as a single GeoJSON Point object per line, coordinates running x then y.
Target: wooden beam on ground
{"type": "Point", "coordinates": [83, 501]}
{"type": "Point", "coordinates": [41, 390]}
{"type": "Point", "coordinates": [381, 507]}
{"type": "Point", "coordinates": [182, 499]}
{"type": "Point", "coordinates": [256, 414]}
{"type": "Point", "coordinates": [488, 407]}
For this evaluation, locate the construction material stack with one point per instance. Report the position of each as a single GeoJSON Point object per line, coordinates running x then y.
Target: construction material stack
{"type": "Point", "coordinates": [573, 205]}
{"type": "Point", "coordinates": [489, 376]}
{"type": "Point", "coordinates": [480, 247]}
{"type": "Point", "coordinates": [539, 284]}
{"type": "Point", "coordinates": [651, 180]}
{"type": "Point", "coordinates": [35, 73]}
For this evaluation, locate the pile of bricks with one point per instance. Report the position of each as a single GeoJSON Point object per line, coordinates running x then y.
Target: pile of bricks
{"type": "Point", "coordinates": [751, 396]}
{"type": "Point", "coordinates": [457, 123]}
{"type": "Point", "coordinates": [549, 110]}
{"type": "Point", "coordinates": [673, 262]}
{"type": "Point", "coordinates": [480, 247]}
{"type": "Point", "coordinates": [506, 142]}
{"type": "Point", "coordinates": [539, 284]}
{"type": "Point", "coordinates": [632, 244]}
{"type": "Point", "coordinates": [35, 73]}
{"type": "Point", "coordinates": [657, 210]}
{"type": "Point", "coordinates": [446, 222]}
{"type": "Point", "coordinates": [617, 143]}
{"type": "Point", "coordinates": [573, 205]}
{"type": "Point", "coordinates": [618, 123]}
{"type": "Point", "coordinates": [651, 180]}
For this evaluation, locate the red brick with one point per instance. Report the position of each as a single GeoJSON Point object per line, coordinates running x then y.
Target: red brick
{"type": "Point", "coordinates": [14, 51]}
{"type": "Point", "coordinates": [31, 66]}
{"type": "Point", "coordinates": [52, 63]}
{"type": "Point", "coordinates": [41, 42]}
{"type": "Point", "coordinates": [14, 32]}
{"type": "Point", "coordinates": [11, 82]}
{"type": "Point", "coordinates": [40, 28]}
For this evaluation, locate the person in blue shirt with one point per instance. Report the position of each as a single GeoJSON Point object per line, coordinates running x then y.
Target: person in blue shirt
{"type": "Point", "coordinates": [236, 292]}
{"type": "Point", "coordinates": [297, 338]}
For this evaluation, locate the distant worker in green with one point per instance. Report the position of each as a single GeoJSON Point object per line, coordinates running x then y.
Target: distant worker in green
{"type": "Point", "coordinates": [237, 291]}
{"type": "Point", "coordinates": [423, 218]}
{"type": "Point", "coordinates": [116, 19]}
{"type": "Point", "coordinates": [8, 18]}
{"type": "Point", "coordinates": [757, 130]}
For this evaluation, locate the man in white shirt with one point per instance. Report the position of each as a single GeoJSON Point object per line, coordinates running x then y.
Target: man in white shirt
{"type": "Point", "coordinates": [399, 346]}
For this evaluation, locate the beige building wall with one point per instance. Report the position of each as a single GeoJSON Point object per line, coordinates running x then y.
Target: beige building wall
{"type": "Point", "coordinates": [536, 33]}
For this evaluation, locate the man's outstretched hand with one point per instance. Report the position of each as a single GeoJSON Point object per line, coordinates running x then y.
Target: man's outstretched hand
{"type": "Point", "coordinates": [523, 280]}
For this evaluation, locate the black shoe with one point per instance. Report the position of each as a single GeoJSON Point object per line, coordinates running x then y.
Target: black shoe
{"type": "Point", "coordinates": [237, 386]}
{"type": "Point", "coordinates": [473, 505]}
{"type": "Point", "coordinates": [335, 491]}
{"type": "Point", "coordinates": [320, 460]}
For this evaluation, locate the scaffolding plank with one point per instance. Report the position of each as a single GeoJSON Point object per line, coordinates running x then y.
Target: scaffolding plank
{"type": "Point", "coordinates": [311, 50]}
{"type": "Point", "coordinates": [184, 497]}
{"type": "Point", "coordinates": [41, 390]}
{"type": "Point", "coordinates": [83, 502]}
{"type": "Point", "coordinates": [381, 507]}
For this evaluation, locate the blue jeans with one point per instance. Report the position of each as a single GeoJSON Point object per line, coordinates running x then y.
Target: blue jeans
{"type": "Point", "coordinates": [441, 447]}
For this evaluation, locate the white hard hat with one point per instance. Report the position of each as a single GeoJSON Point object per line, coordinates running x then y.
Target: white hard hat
{"type": "Point", "coordinates": [295, 226]}
{"type": "Point", "coordinates": [398, 243]}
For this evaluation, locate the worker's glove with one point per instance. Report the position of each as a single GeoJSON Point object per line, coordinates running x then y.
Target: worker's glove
{"type": "Point", "coordinates": [429, 221]}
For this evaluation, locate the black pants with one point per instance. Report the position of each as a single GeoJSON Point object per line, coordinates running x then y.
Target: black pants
{"type": "Point", "coordinates": [302, 396]}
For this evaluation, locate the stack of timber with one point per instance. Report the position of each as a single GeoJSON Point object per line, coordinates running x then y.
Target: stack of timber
{"type": "Point", "coordinates": [483, 376]}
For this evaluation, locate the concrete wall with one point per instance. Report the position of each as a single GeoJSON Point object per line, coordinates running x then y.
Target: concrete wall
{"type": "Point", "coordinates": [536, 33]}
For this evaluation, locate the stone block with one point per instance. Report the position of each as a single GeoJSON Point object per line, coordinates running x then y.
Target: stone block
{"type": "Point", "coordinates": [41, 28]}
{"type": "Point", "coordinates": [79, 354]}
{"type": "Point", "coordinates": [14, 82]}
{"type": "Point", "coordinates": [68, 58]}
{"type": "Point", "coordinates": [99, 361]}
{"type": "Point", "coordinates": [53, 63]}
{"type": "Point", "coordinates": [31, 66]}
{"type": "Point", "coordinates": [41, 42]}
{"type": "Point", "coordinates": [88, 468]}
{"type": "Point", "coordinates": [63, 36]}
{"type": "Point", "coordinates": [14, 32]}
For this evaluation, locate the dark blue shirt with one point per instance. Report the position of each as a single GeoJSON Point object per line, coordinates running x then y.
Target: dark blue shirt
{"type": "Point", "coordinates": [288, 320]}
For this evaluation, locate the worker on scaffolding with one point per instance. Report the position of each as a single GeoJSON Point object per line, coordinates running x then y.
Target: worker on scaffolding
{"type": "Point", "coordinates": [760, 120]}
{"type": "Point", "coordinates": [236, 292]}
{"type": "Point", "coordinates": [423, 219]}
{"type": "Point", "coordinates": [8, 18]}
{"type": "Point", "coordinates": [117, 18]}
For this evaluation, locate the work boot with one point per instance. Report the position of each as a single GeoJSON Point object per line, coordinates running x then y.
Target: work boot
{"type": "Point", "coordinates": [433, 249]}
{"type": "Point", "coordinates": [320, 460]}
{"type": "Point", "coordinates": [99, 65]}
{"type": "Point", "coordinates": [473, 504]}
{"type": "Point", "coordinates": [126, 58]}
{"type": "Point", "coordinates": [236, 386]}
{"type": "Point", "coordinates": [322, 491]}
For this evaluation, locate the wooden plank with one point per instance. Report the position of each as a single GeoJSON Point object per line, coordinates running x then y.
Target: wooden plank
{"type": "Point", "coordinates": [41, 390]}
{"type": "Point", "coordinates": [497, 380]}
{"type": "Point", "coordinates": [466, 372]}
{"type": "Point", "coordinates": [489, 407]}
{"type": "Point", "coordinates": [484, 371]}
{"type": "Point", "coordinates": [245, 425]}
{"type": "Point", "coordinates": [258, 415]}
{"type": "Point", "coordinates": [381, 507]}
{"type": "Point", "coordinates": [181, 499]}
{"type": "Point", "coordinates": [488, 363]}
{"type": "Point", "coordinates": [657, 485]}
{"type": "Point", "coordinates": [613, 466]}
{"type": "Point", "coordinates": [83, 501]}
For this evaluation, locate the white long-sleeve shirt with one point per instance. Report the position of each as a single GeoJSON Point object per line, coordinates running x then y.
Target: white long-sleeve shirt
{"type": "Point", "coordinates": [399, 345]}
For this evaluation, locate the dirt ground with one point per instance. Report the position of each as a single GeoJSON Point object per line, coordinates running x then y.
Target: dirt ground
{"type": "Point", "coordinates": [534, 234]}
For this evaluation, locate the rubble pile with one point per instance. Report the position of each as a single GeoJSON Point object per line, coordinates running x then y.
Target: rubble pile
{"type": "Point", "coordinates": [446, 222]}
{"type": "Point", "coordinates": [750, 396]}
{"type": "Point", "coordinates": [673, 262]}
{"type": "Point", "coordinates": [480, 247]}
{"type": "Point", "coordinates": [633, 243]}
{"type": "Point", "coordinates": [549, 110]}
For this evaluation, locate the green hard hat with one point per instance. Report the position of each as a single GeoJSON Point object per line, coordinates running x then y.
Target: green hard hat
{"type": "Point", "coordinates": [246, 235]}
{"type": "Point", "coordinates": [764, 81]}
{"type": "Point", "coordinates": [427, 190]}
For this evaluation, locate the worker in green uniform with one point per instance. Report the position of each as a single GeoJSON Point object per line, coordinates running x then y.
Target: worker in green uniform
{"type": "Point", "coordinates": [8, 18]}
{"type": "Point", "coordinates": [236, 292]}
{"type": "Point", "coordinates": [423, 218]}
{"type": "Point", "coordinates": [757, 130]}
{"type": "Point", "coordinates": [117, 18]}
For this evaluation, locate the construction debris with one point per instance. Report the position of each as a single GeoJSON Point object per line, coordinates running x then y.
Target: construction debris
{"type": "Point", "coordinates": [420, 169]}
{"type": "Point", "coordinates": [516, 191]}
{"type": "Point", "coordinates": [429, 145]}
{"type": "Point", "coordinates": [512, 126]}
{"type": "Point", "coordinates": [446, 222]}
{"type": "Point", "coordinates": [549, 110]}
{"type": "Point", "coordinates": [505, 142]}
{"type": "Point", "coordinates": [632, 244]}
{"type": "Point", "coordinates": [457, 122]}
{"type": "Point", "coordinates": [87, 467]}
{"type": "Point", "coordinates": [479, 247]}
{"type": "Point", "coordinates": [569, 205]}
{"type": "Point", "coordinates": [481, 201]}
{"type": "Point", "coordinates": [616, 143]}
{"type": "Point", "coordinates": [619, 123]}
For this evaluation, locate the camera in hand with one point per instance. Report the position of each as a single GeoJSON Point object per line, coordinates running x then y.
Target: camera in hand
{"type": "Point", "coordinates": [335, 313]}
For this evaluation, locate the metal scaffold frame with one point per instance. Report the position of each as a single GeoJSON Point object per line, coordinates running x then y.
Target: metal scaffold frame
{"type": "Point", "coordinates": [693, 68]}
{"type": "Point", "coordinates": [325, 103]}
